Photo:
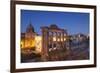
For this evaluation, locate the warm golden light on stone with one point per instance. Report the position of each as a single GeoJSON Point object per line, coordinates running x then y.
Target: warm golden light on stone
{"type": "Point", "coordinates": [27, 43]}
{"type": "Point", "coordinates": [30, 43]}
{"type": "Point", "coordinates": [38, 43]}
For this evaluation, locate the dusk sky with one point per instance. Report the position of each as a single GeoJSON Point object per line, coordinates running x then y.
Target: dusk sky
{"type": "Point", "coordinates": [71, 21]}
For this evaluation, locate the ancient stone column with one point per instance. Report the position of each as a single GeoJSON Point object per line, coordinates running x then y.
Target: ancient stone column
{"type": "Point", "coordinates": [45, 35]}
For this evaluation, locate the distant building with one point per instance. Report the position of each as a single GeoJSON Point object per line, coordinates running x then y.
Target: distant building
{"type": "Point", "coordinates": [79, 45]}
{"type": "Point", "coordinates": [30, 40]}
{"type": "Point", "coordinates": [79, 37]}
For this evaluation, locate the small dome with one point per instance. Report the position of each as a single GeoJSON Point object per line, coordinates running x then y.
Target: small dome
{"type": "Point", "coordinates": [53, 26]}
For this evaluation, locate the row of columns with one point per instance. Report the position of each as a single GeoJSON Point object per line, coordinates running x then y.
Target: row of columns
{"type": "Point", "coordinates": [57, 37]}
{"type": "Point", "coordinates": [50, 37]}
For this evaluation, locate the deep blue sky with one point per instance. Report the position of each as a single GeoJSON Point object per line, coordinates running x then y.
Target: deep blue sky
{"type": "Point", "coordinates": [71, 21]}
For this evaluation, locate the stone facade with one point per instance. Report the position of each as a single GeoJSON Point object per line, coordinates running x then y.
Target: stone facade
{"type": "Point", "coordinates": [54, 43]}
